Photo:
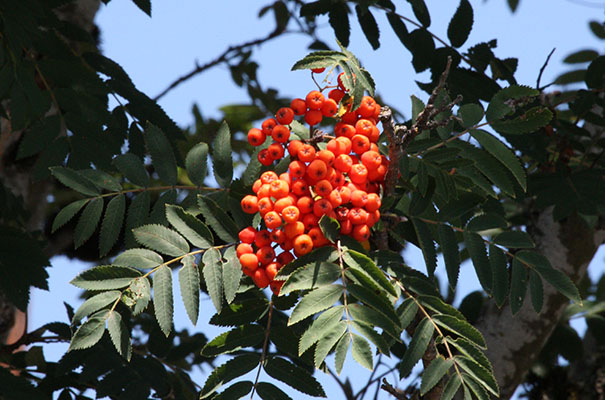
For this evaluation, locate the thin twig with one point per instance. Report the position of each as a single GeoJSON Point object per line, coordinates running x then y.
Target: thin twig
{"type": "Point", "coordinates": [397, 393]}
{"type": "Point", "coordinates": [225, 56]}
{"type": "Point", "coordinates": [543, 68]}
{"type": "Point", "coordinates": [264, 353]}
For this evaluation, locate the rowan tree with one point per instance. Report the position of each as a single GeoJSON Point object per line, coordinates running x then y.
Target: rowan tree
{"type": "Point", "coordinates": [334, 186]}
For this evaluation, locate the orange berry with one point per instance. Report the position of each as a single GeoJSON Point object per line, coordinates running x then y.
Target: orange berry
{"type": "Point", "coordinates": [373, 217]}
{"type": "Point", "coordinates": [256, 186]}
{"type": "Point", "coordinates": [305, 204]}
{"type": "Point", "coordinates": [285, 115]}
{"type": "Point", "coordinates": [243, 248]}
{"type": "Point", "coordinates": [329, 108]}
{"type": "Point", "coordinates": [317, 70]}
{"type": "Point", "coordinates": [337, 179]}
{"type": "Point", "coordinates": [297, 169]}
{"type": "Point", "coordinates": [271, 270]}
{"type": "Point", "coordinates": [264, 157]}
{"type": "Point", "coordinates": [306, 153]}
{"type": "Point", "coordinates": [360, 144]}
{"type": "Point", "coordinates": [282, 203]}
{"type": "Point", "coordinates": [314, 100]}
{"type": "Point", "coordinates": [373, 202]}
{"type": "Point", "coordinates": [359, 198]}
{"type": "Point", "coordinates": [272, 220]}
{"type": "Point", "coordinates": [293, 147]}
{"type": "Point", "coordinates": [279, 189]}
{"type": "Point", "coordinates": [268, 177]}
{"type": "Point", "coordinates": [343, 163]}
{"type": "Point", "coordinates": [249, 262]}
{"type": "Point", "coordinates": [346, 227]}
{"type": "Point", "coordinates": [276, 286]}
{"type": "Point", "coordinates": [265, 205]}
{"type": "Point", "coordinates": [268, 126]}
{"type": "Point", "coordinates": [358, 216]}
{"type": "Point", "coordinates": [303, 244]}
{"type": "Point", "coordinates": [264, 191]}
{"type": "Point", "coordinates": [358, 173]}
{"type": "Point", "coordinates": [326, 156]}
{"type": "Point", "coordinates": [361, 232]}
{"type": "Point", "coordinates": [317, 169]}
{"type": "Point", "coordinates": [364, 127]}
{"type": "Point", "coordinates": [262, 238]}
{"type": "Point", "coordinates": [260, 278]}
{"type": "Point", "coordinates": [345, 194]}
{"type": "Point", "coordinates": [323, 188]}
{"type": "Point", "coordinates": [378, 174]}
{"type": "Point", "coordinates": [310, 220]}
{"type": "Point", "coordinates": [290, 214]}
{"type": "Point", "coordinates": [287, 245]}
{"type": "Point", "coordinates": [278, 236]}
{"type": "Point", "coordinates": [345, 143]}
{"type": "Point", "coordinates": [294, 229]}
{"type": "Point", "coordinates": [298, 106]}
{"type": "Point", "coordinates": [285, 177]}
{"type": "Point", "coordinates": [317, 237]}
{"type": "Point", "coordinates": [250, 204]}
{"type": "Point", "coordinates": [256, 137]}
{"type": "Point", "coordinates": [247, 235]}
{"type": "Point", "coordinates": [367, 107]}
{"type": "Point", "coordinates": [371, 160]}
{"type": "Point", "coordinates": [342, 129]}
{"type": "Point", "coordinates": [265, 255]}
{"type": "Point", "coordinates": [280, 133]}
{"type": "Point", "coordinates": [335, 198]}
{"type": "Point", "coordinates": [349, 118]}
{"type": "Point", "coordinates": [300, 187]}
{"type": "Point", "coordinates": [336, 95]}
{"type": "Point", "coordinates": [276, 151]}
{"type": "Point", "coordinates": [285, 257]}
{"type": "Point", "coordinates": [375, 135]}
{"type": "Point", "coordinates": [313, 117]}
{"type": "Point", "coordinates": [322, 207]}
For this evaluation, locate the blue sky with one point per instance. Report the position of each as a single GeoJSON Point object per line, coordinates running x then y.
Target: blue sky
{"type": "Point", "coordinates": [155, 51]}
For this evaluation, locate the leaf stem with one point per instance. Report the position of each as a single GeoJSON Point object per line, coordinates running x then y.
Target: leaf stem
{"type": "Point", "coordinates": [265, 346]}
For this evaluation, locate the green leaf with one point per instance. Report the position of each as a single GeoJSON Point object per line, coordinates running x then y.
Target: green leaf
{"type": "Point", "coordinates": [132, 168]}
{"type": "Point", "coordinates": [90, 332]}
{"type": "Point", "coordinates": [144, 5]}
{"type": "Point", "coordinates": [461, 328]}
{"type": "Point", "coordinates": [556, 278]}
{"type": "Point", "coordinates": [497, 260]}
{"type": "Point", "coordinates": [88, 221]}
{"type": "Point", "coordinates": [140, 292]}
{"type": "Point", "coordinates": [471, 113]}
{"type": "Point", "coordinates": [485, 222]}
{"type": "Point", "coordinates": [434, 372]}
{"type": "Point", "coordinates": [218, 219]}
{"type": "Point", "coordinates": [581, 56]}
{"type": "Point", "coordinates": [222, 162]}
{"type": "Point", "coordinates": [425, 240]}
{"type": "Point", "coordinates": [268, 391]}
{"type": "Point", "coordinates": [330, 227]}
{"type": "Point", "coordinates": [338, 18]}
{"type": "Point", "coordinates": [196, 163]}
{"type": "Point", "coordinates": [294, 376]}
{"type": "Point", "coordinates": [398, 27]}
{"type": "Point", "coordinates": [361, 262]}
{"type": "Point", "coordinates": [327, 341]}
{"type": "Point", "coordinates": [102, 179]}
{"type": "Point", "coordinates": [377, 339]}
{"type": "Point", "coordinates": [161, 239]}
{"type": "Point", "coordinates": [94, 304]}
{"type": "Point", "coordinates": [505, 155]}
{"type": "Point", "coordinates": [247, 311]}
{"type": "Point", "coordinates": [228, 371]}
{"type": "Point", "coordinates": [76, 181]}
{"type": "Point", "coordinates": [67, 213]}
{"type": "Point", "coordinates": [594, 73]}
{"type": "Point", "coordinates": [375, 300]}
{"type": "Point", "coordinates": [311, 276]}
{"type": "Point", "coordinates": [536, 290]}
{"type": "Point", "coordinates": [518, 285]}
{"type": "Point", "coordinates": [597, 29]}
{"type": "Point", "coordinates": [340, 354]}
{"type": "Point", "coordinates": [362, 353]}
{"type": "Point", "coordinates": [112, 224]}
{"type": "Point", "coordinates": [374, 318]}
{"type": "Point", "coordinates": [213, 276]}
{"type": "Point", "coordinates": [189, 226]}
{"type": "Point", "coordinates": [233, 340]}
{"type": "Point", "coordinates": [420, 341]}
{"type": "Point", "coordinates": [189, 282]}
{"type": "Point", "coordinates": [476, 249]}
{"type": "Point", "coordinates": [236, 391]}
{"type": "Point", "coordinates": [119, 334]}
{"type": "Point", "coordinates": [139, 258]}
{"type": "Point", "coordinates": [436, 304]}
{"type": "Point", "coordinates": [471, 351]}
{"type": "Point", "coordinates": [514, 239]}
{"type": "Point", "coordinates": [451, 387]}
{"type": "Point", "coordinates": [407, 312]}
{"type": "Point", "coordinates": [162, 156]}
{"type": "Point", "coordinates": [368, 26]}
{"type": "Point", "coordinates": [534, 119]}
{"type": "Point", "coordinates": [322, 324]}
{"type": "Point", "coordinates": [483, 376]}
{"type": "Point", "coordinates": [314, 302]}
{"type": "Point", "coordinates": [327, 253]}
{"type": "Point", "coordinates": [461, 24]}
{"type": "Point", "coordinates": [500, 105]}
{"type": "Point", "coordinates": [136, 216]}
{"type": "Point", "coordinates": [162, 298]}
{"type": "Point", "coordinates": [232, 274]}
{"type": "Point", "coordinates": [451, 255]}
{"type": "Point", "coordinates": [105, 277]}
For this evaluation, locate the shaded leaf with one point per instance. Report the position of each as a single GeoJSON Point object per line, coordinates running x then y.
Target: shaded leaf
{"type": "Point", "coordinates": [88, 221]}
{"type": "Point", "coordinates": [368, 26]}
{"type": "Point", "coordinates": [294, 376]}
{"type": "Point", "coordinates": [425, 240]}
{"type": "Point", "coordinates": [505, 155]}
{"type": "Point", "coordinates": [327, 341]}
{"type": "Point", "coordinates": [228, 371]}
{"type": "Point", "coordinates": [235, 391]}
{"type": "Point", "coordinates": [233, 340]}
{"type": "Point", "coordinates": [247, 311]}
{"type": "Point", "coordinates": [420, 341]}
{"type": "Point", "coordinates": [451, 255]}
{"type": "Point", "coordinates": [339, 21]}
{"type": "Point", "coordinates": [76, 181]}
{"type": "Point", "coordinates": [340, 354]}
{"type": "Point", "coordinates": [484, 377]}
{"type": "Point", "coordinates": [119, 334]}
{"type": "Point", "coordinates": [484, 222]}
{"type": "Point", "coordinates": [189, 282]}
{"type": "Point", "coordinates": [461, 328]}
{"type": "Point", "coordinates": [213, 276]}
{"type": "Point", "coordinates": [451, 387]}
{"type": "Point", "coordinates": [518, 286]}
{"type": "Point", "coordinates": [232, 274]}
{"type": "Point", "coordinates": [497, 260]}
{"type": "Point", "coordinates": [322, 324]}
{"type": "Point", "coordinates": [374, 318]}
{"type": "Point", "coordinates": [311, 276]}
{"type": "Point", "coordinates": [189, 226]}
{"type": "Point", "coordinates": [112, 224]}
{"type": "Point", "coordinates": [514, 239]}
{"type": "Point", "coordinates": [330, 228]}
{"type": "Point", "coordinates": [314, 302]}
{"type": "Point", "coordinates": [94, 304]}
{"type": "Point", "coordinates": [268, 391]}
{"type": "Point", "coordinates": [67, 213]}
{"type": "Point", "coordinates": [218, 219]}
{"type": "Point", "coordinates": [364, 264]}
{"type": "Point", "coordinates": [90, 332]}
{"type": "Point", "coordinates": [132, 168]}
{"type": "Point", "coordinates": [476, 249]}
{"type": "Point", "coordinates": [407, 312]}
{"type": "Point", "coordinates": [222, 161]}
{"type": "Point", "coordinates": [536, 290]}
{"type": "Point", "coordinates": [362, 353]}
{"type": "Point", "coordinates": [105, 277]}
{"type": "Point", "coordinates": [163, 302]}
{"type": "Point", "coordinates": [434, 372]}
{"type": "Point", "coordinates": [136, 216]}
{"type": "Point", "coordinates": [162, 156]}
{"type": "Point", "coordinates": [461, 24]}
{"type": "Point", "coordinates": [196, 163]}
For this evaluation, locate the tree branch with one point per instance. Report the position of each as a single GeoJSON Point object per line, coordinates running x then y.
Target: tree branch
{"type": "Point", "coordinates": [230, 53]}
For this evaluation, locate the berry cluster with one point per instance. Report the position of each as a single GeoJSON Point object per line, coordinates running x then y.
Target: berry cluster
{"type": "Point", "coordinates": [342, 181]}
